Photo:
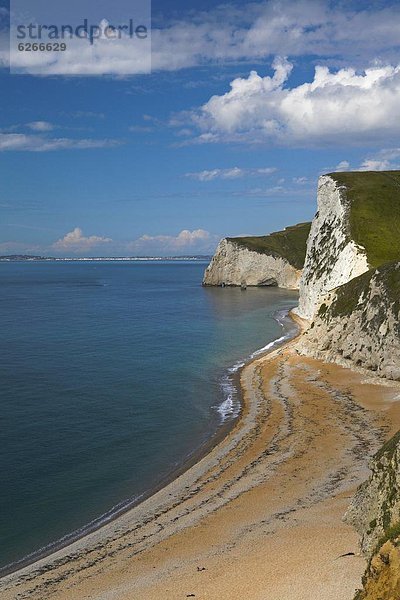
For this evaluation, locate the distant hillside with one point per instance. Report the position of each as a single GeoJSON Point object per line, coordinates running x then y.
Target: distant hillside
{"type": "Point", "coordinates": [268, 260]}
{"type": "Point", "coordinates": [27, 257]}
{"type": "Point", "coordinates": [15, 257]}
{"type": "Point", "coordinates": [289, 243]}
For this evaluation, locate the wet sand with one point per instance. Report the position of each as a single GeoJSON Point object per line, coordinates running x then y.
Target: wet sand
{"type": "Point", "coordinates": [259, 517]}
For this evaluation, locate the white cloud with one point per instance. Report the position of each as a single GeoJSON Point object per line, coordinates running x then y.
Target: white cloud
{"type": "Point", "coordinates": [253, 31]}
{"type": "Point", "coordinates": [40, 126]}
{"type": "Point", "coordinates": [300, 180]}
{"type": "Point", "coordinates": [375, 165]}
{"type": "Point", "coordinates": [232, 173]}
{"type": "Point", "coordinates": [75, 241]}
{"type": "Point", "coordinates": [291, 193]}
{"type": "Point", "coordinates": [264, 171]}
{"type": "Point", "coordinates": [124, 56]}
{"type": "Point", "coordinates": [336, 107]}
{"type": "Point", "coordinates": [385, 160]}
{"type": "Point", "coordinates": [344, 165]}
{"type": "Point", "coordinates": [196, 241]}
{"type": "Point", "coordinates": [38, 143]}
{"type": "Point", "coordinates": [276, 190]}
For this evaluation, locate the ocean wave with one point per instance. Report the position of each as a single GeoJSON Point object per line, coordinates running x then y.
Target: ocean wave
{"type": "Point", "coordinates": [235, 368]}
{"type": "Point", "coordinates": [270, 345]}
{"type": "Point", "coordinates": [231, 405]}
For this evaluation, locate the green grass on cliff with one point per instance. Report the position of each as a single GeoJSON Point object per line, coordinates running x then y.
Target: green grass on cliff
{"type": "Point", "coordinates": [348, 296]}
{"type": "Point", "coordinates": [290, 243]}
{"type": "Point", "coordinates": [375, 212]}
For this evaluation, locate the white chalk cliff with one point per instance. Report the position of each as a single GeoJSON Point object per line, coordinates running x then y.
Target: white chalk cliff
{"type": "Point", "coordinates": [332, 258]}
{"type": "Point", "coordinates": [235, 265]}
{"type": "Point", "coordinates": [350, 283]}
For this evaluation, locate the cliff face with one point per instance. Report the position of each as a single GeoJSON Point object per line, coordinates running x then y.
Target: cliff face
{"type": "Point", "coordinates": [350, 289]}
{"type": "Point", "coordinates": [333, 257]}
{"type": "Point", "coordinates": [236, 265]}
{"type": "Point", "coordinates": [382, 578]}
{"type": "Point", "coordinates": [375, 509]}
{"type": "Point", "coordinates": [276, 259]}
{"type": "Point", "coordinates": [356, 228]}
{"type": "Point", "coordinates": [359, 323]}
{"type": "Point", "coordinates": [375, 513]}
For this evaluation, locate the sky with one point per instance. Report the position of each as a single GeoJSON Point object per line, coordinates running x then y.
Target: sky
{"type": "Point", "coordinates": [246, 105]}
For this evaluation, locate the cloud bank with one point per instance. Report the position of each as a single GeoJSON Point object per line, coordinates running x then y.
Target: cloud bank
{"type": "Point", "coordinates": [232, 173]}
{"type": "Point", "coordinates": [335, 107]}
{"type": "Point", "coordinates": [76, 242]}
{"type": "Point", "coordinates": [40, 126]}
{"type": "Point", "coordinates": [385, 160]}
{"type": "Point", "coordinates": [197, 241]}
{"type": "Point", "coordinates": [38, 143]}
{"type": "Point", "coordinates": [192, 242]}
{"type": "Point", "coordinates": [251, 32]}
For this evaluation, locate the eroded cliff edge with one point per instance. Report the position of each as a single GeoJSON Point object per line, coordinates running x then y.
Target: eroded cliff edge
{"type": "Point", "coordinates": [276, 259]}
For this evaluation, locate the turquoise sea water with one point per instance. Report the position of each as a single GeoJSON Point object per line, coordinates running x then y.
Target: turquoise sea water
{"type": "Point", "coordinates": [111, 375]}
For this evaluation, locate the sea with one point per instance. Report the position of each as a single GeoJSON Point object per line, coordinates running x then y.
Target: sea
{"type": "Point", "coordinates": [112, 375]}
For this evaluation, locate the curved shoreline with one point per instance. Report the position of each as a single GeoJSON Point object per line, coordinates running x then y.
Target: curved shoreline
{"type": "Point", "coordinates": [125, 507]}
{"type": "Point", "coordinates": [291, 460]}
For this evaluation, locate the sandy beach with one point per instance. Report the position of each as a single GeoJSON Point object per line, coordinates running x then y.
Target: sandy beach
{"type": "Point", "coordinates": [259, 517]}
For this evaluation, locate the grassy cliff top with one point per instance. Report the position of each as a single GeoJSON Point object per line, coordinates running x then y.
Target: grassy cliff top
{"type": "Point", "coordinates": [289, 244]}
{"type": "Point", "coordinates": [375, 212]}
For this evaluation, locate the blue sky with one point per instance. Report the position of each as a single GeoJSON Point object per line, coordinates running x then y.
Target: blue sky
{"type": "Point", "coordinates": [246, 106]}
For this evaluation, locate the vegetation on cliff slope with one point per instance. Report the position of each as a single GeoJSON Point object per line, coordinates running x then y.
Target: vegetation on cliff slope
{"type": "Point", "coordinates": [374, 198]}
{"type": "Point", "coordinates": [291, 243]}
{"type": "Point", "coordinates": [381, 580]}
{"type": "Point", "coordinates": [352, 295]}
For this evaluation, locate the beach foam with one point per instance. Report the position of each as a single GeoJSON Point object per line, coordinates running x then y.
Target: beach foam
{"type": "Point", "coordinates": [231, 404]}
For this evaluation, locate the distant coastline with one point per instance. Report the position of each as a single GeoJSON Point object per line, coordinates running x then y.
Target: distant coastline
{"type": "Point", "coordinates": [28, 258]}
